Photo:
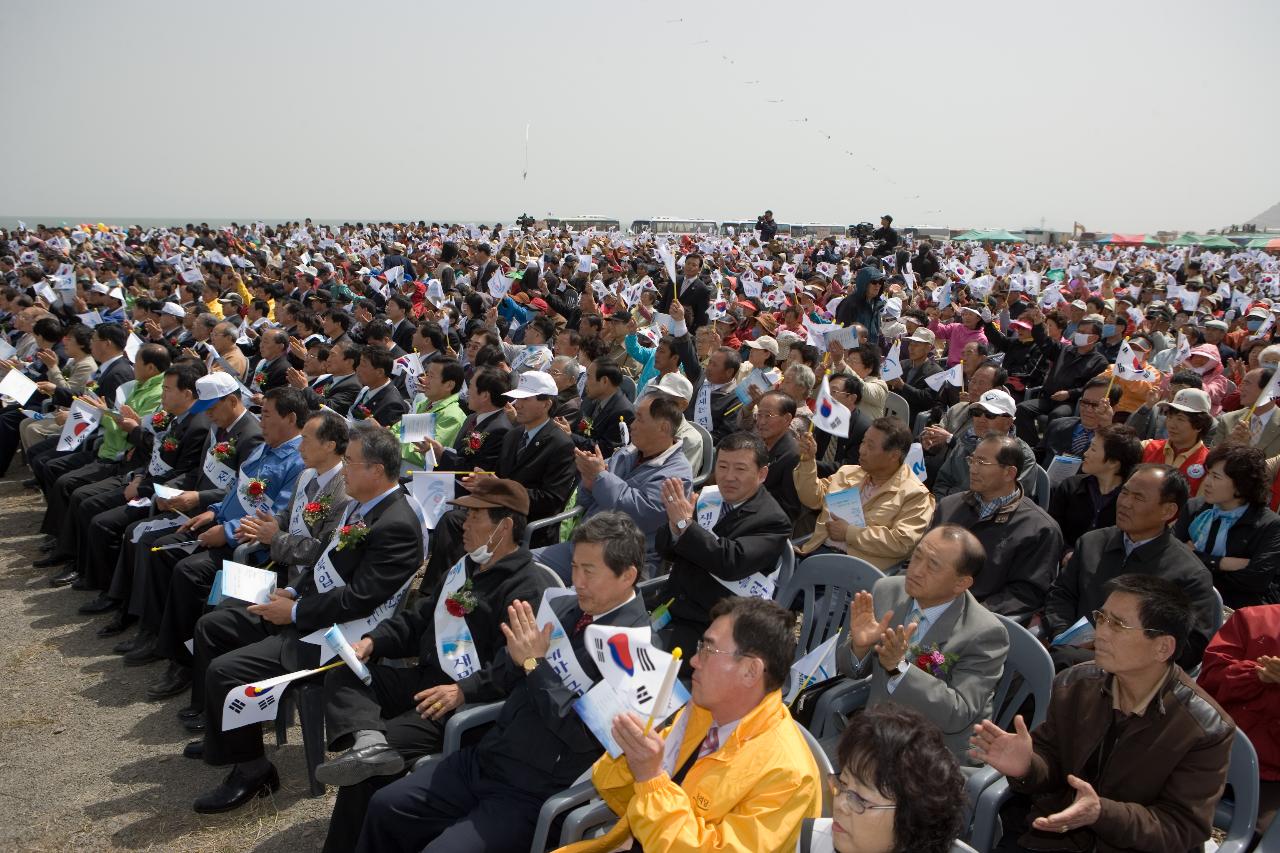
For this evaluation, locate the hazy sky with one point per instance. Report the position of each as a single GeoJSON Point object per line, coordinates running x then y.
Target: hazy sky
{"type": "Point", "coordinates": [1125, 116]}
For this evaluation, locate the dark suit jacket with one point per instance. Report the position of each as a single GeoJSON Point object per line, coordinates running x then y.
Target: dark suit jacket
{"type": "Point", "coordinates": [492, 428]}
{"type": "Point", "coordinates": [276, 372]}
{"type": "Point", "coordinates": [779, 481]}
{"type": "Point", "coordinates": [402, 334]}
{"type": "Point", "coordinates": [605, 431]}
{"type": "Point", "coordinates": [295, 553]}
{"type": "Point", "coordinates": [413, 631]}
{"type": "Point", "coordinates": [919, 396]}
{"type": "Point", "coordinates": [1255, 537]}
{"type": "Point", "coordinates": [337, 392]}
{"type": "Point", "coordinates": [246, 435]}
{"type": "Point", "coordinates": [695, 296]}
{"type": "Point", "coordinates": [385, 405]}
{"type": "Point", "coordinates": [848, 450]}
{"type": "Point", "coordinates": [539, 743]}
{"type": "Point", "coordinates": [117, 373]}
{"type": "Point", "coordinates": [545, 468]}
{"type": "Point", "coordinates": [746, 540]}
{"type": "Point", "coordinates": [1057, 439]}
{"type": "Point", "coordinates": [723, 421]}
{"type": "Point", "coordinates": [190, 432]}
{"type": "Point", "coordinates": [389, 555]}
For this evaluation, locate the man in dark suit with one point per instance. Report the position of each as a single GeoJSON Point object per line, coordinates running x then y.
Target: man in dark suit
{"type": "Point", "coordinates": [1071, 436]}
{"type": "Point", "coordinates": [479, 442]}
{"type": "Point", "coordinates": [272, 369]}
{"type": "Point", "coordinates": [384, 726]}
{"type": "Point", "coordinates": [378, 399]}
{"type": "Point", "coordinates": [604, 410]}
{"type": "Point", "coordinates": [747, 539]}
{"type": "Point", "coordinates": [834, 451]}
{"type": "Point", "coordinates": [715, 404]}
{"type": "Point", "coordinates": [361, 572]}
{"type": "Point", "coordinates": [774, 413]}
{"type": "Point", "coordinates": [692, 290]}
{"type": "Point", "coordinates": [339, 389]}
{"type": "Point", "coordinates": [487, 797]}
{"type": "Point", "coordinates": [402, 328]}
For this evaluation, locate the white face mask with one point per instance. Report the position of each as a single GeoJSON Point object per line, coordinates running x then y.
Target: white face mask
{"type": "Point", "coordinates": [1203, 370]}
{"type": "Point", "coordinates": [482, 555]}
{"type": "Point", "coordinates": [1081, 339]}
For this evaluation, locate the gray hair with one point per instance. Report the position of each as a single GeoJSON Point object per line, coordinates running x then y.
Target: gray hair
{"type": "Point", "coordinates": [209, 321]}
{"type": "Point", "coordinates": [622, 540]}
{"type": "Point", "coordinates": [568, 364]}
{"type": "Point", "coordinates": [802, 375]}
{"type": "Point", "coordinates": [379, 447]}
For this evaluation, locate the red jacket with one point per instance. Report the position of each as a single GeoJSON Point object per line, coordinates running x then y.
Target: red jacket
{"type": "Point", "coordinates": [1228, 675]}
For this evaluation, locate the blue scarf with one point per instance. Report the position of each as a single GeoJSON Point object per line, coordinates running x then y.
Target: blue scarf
{"type": "Point", "coordinates": [1203, 523]}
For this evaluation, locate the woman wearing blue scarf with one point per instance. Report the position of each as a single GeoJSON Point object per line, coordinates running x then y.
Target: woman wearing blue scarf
{"type": "Point", "coordinates": [1231, 529]}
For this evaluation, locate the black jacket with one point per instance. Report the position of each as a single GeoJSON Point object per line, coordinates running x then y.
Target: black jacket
{"type": "Point", "coordinates": [374, 571]}
{"type": "Point", "coordinates": [245, 435]}
{"type": "Point", "coordinates": [385, 405]}
{"type": "Point", "coordinates": [919, 396]}
{"type": "Point", "coordinates": [1256, 537]}
{"type": "Point", "coordinates": [768, 228]}
{"type": "Point", "coordinates": [336, 392]}
{"type": "Point", "coordinates": [1071, 504]}
{"type": "Point", "coordinates": [725, 404]}
{"type": "Point", "coordinates": [413, 632]}
{"type": "Point", "coordinates": [783, 457]}
{"type": "Point", "coordinates": [189, 432]}
{"type": "Point", "coordinates": [117, 373]}
{"type": "Point", "coordinates": [1057, 439]}
{"type": "Point", "coordinates": [402, 334]}
{"type": "Point", "coordinates": [1023, 360]}
{"type": "Point", "coordinates": [275, 373]}
{"type": "Point", "coordinates": [1071, 369]}
{"type": "Point", "coordinates": [599, 425]}
{"type": "Point", "coordinates": [694, 295]}
{"type": "Point", "coordinates": [545, 468]}
{"type": "Point", "coordinates": [745, 540]}
{"type": "Point", "coordinates": [540, 744]}
{"type": "Point", "coordinates": [925, 263]}
{"type": "Point", "coordinates": [1099, 556]}
{"type": "Point", "coordinates": [490, 429]}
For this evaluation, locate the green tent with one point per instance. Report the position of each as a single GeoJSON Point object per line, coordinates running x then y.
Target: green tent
{"type": "Point", "coordinates": [968, 235]}
{"type": "Point", "coordinates": [999, 237]}
{"type": "Point", "coordinates": [1217, 241]}
{"type": "Point", "coordinates": [1185, 240]}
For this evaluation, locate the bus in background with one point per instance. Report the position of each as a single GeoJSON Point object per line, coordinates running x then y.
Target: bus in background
{"type": "Point", "coordinates": [582, 223]}
{"type": "Point", "coordinates": [816, 229]}
{"type": "Point", "coordinates": [740, 228]}
{"type": "Point", "coordinates": [934, 233]}
{"type": "Point", "coordinates": [664, 225]}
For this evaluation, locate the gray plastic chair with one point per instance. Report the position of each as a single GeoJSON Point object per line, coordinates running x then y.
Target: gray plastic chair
{"type": "Point", "coordinates": [708, 456]}
{"type": "Point", "coordinates": [551, 573]}
{"type": "Point", "coordinates": [895, 405]}
{"type": "Point", "coordinates": [826, 583]}
{"type": "Point", "coordinates": [1042, 488]}
{"type": "Point", "coordinates": [551, 520]}
{"type": "Point", "coordinates": [922, 421]}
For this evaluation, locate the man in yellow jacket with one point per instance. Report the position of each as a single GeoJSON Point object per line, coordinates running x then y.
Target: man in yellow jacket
{"type": "Point", "coordinates": [896, 507]}
{"type": "Point", "coordinates": [733, 771]}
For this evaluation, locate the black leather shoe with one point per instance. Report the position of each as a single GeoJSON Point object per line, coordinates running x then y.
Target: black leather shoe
{"type": "Point", "coordinates": [50, 561]}
{"type": "Point", "coordinates": [194, 725]}
{"type": "Point", "coordinates": [195, 749]}
{"type": "Point", "coordinates": [356, 765]}
{"type": "Point", "coordinates": [82, 584]}
{"type": "Point", "coordinates": [30, 484]}
{"type": "Point", "coordinates": [143, 637]}
{"type": "Point", "coordinates": [66, 578]}
{"type": "Point", "coordinates": [120, 622]}
{"type": "Point", "coordinates": [102, 604]}
{"type": "Point", "coordinates": [190, 713]}
{"type": "Point", "coordinates": [236, 790]}
{"type": "Point", "coordinates": [143, 652]}
{"type": "Point", "coordinates": [176, 679]}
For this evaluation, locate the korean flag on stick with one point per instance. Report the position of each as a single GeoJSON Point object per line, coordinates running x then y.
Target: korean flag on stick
{"type": "Point", "coordinates": [814, 668]}
{"type": "Point", "coordinates": [830, 415]}
{"type": "Point", "coordinates": [891, 368]}
{"type": "Point", "coordinates": [955, 376]}
{"type": "Point", "coordinates": [82, 420]}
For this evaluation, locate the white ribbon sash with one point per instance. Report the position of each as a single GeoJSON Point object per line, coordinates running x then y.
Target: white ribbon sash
{"type": "Point", "coordinates": [455, 648]}
{"type": "Point", "coordinates": [297, 518]}
{"type": "Point", "coordinates": [218, 472]}
{"type": "Point", "coordinates": [757, 585]}
{"type": "Point", "coordinates": [242, 486]}
{"type": "Point", "coordinates": [560, 653]}
{"type": "Point", "coordinates": [702, 411]}
{"type": "Point", "coordinates": [157, 467]}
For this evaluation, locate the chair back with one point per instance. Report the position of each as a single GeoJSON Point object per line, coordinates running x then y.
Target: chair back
{"type": "Point", "coordinates": [1239, 814]}
{"type": "Point", "coordinates": [895, 405]}
{"type": "Point", "coordinates": [1028, 672]}
{"type": "Point", "coordinates": [824, 766]}
{"type": "Point", "coordinates": [1218, 616]}
{"type": "Point", "coordinates": [922, 421]}
{"type": "Point", "coordinates": [703, 473]}
{"type": "Point", "coordinates": [1042, 488]}
{"type": "Point", "coordinates": [825, 584]}
{"type": "Point", "coordinates": [556, 581]}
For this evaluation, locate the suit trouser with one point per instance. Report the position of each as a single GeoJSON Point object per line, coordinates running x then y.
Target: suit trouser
{"type": "Point", "coordinates": [235, 647]}
{"type": "Point", "coordinates": [32, 432]}
{"type": "Point", "coordinates": [48, 463]}
{"type": "Point", "coordinates": [57, 497]}
{"type": "Point", "coordinates": [78, 508]}
{"type": "Point", "coordinates": [388, 706]}
{"type": "Point", "coordinates": [103, 543]}
{"type": "Point", "coordinates": [190, 581]}
{"type": "Point", "coordinates": [10, 419]}
{"type": "Point", "coordinates": [449, 806]}
{"type": "Point", "coordinates": [1026, 418]}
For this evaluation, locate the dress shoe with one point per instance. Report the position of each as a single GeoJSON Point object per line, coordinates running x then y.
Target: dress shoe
{"type": "Point", "coordinates": [120, 622]}
{"type": "Point", "coordinates": [195, 724]}
{"type": "Point", "coordinates": [143, 653]}
{"type": "Point", "coordinates": [125, 646]}
{"type": "Point", "coordinates": [356, 765]}
{"type": "Point", "coordinates": [195, 750]}
{"type": "Point", "coordinates": [82, 584]}
{"type": "Point", "coordinates": [236, 790]}
{"type": "Point", "coordinates": [50, 561]}
{"type": "Point", "coordinates": [190, 713]}
{"type": "Point", "coordinates": [176, 679]}
{"type": "Point", "coordinates": [102, 604]}
{"type": "Point", "coordinates": [30, 484]}
{"type": "Point", "coordinates": [65, 578]}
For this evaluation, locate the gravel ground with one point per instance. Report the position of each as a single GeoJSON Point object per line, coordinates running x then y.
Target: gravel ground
{"type": "Point", "coordinates": [88, 763]}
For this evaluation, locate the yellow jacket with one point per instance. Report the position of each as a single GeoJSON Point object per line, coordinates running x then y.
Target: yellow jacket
{"type": "Point", "coordinates": [750, 795]}
{"type": "Point", "coordinates": [1133, 392]}
{"type": "Point", "coordinates": [897, 515]}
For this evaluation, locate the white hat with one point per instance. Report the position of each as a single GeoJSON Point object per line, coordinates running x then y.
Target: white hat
{"type": "Point", "coordinates": [922, 335]}
{"type": "Point", "coordinates": [99, 287]}
{"type": "Point", "coordinates": [173, 310]}
{"type": "Point", "coordinates": [212, 388]}
{"type": "Point", "coordinates": [765, 342]}
{"type": "Point", "coordinates": [534, 383]}
{"type": "Point", "coordinates": [674, 385]}
{"type": "Point", "coordinates": [997, 402]}
{"type": "Point", "coordinates": [1190, 400]}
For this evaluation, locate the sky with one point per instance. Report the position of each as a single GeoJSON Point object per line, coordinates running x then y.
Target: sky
{"type": "Point", "coordinates": [1123, 116]}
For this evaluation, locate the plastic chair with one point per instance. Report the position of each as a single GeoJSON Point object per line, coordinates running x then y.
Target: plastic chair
{"type": "Point", "coordinates": [628, 387]}
{"type": "Point", "coordinates": [786, 568]}
{"type": "Point", "coordinates": [464, 720]}
{"type": "Point", "coordinates": [895, 405]}
{"type": "Point", "coordinates": [708, 456]}
{"type": "Point", "coordinates": [1042, 488]}
{"type": "Point", "coordinates": [839, 576]}
{"type": "Point", "coordinates": [551, 573]}
{"type": "Point", "coordinates": [1239, 814]}
{"type": "Point", "coordinates": [550, 521]}
{"type": "Point", "coordinates": [922, 421]}
{"type": "Point", "coordinates": [307, 699]}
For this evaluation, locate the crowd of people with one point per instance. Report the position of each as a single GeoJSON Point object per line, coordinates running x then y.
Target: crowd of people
{"type": "Point", "coordinates": [1076, 441]}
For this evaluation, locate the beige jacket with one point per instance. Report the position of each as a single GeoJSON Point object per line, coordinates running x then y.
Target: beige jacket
{"type": "Point", "coordinates": [897, 515]}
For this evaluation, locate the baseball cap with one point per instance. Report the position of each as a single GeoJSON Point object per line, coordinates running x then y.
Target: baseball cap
{"type": "Point", "coordinates": [674, 385]}
{"type": "Point", "coordinates": [212, 388]}
{"type": "Point", "coordinates": [1216, 324]}
{"type": "Point", "coordinates": [997, 402]}
{"type": "Point", "coordinates": [538, 304]}
{"type": "Point", "coordinates": [173, 310]}
{"type": "Point", "coordinates": [765, 342]}
{"type": "Point", "coordinates": [496, 493]}
{"type": "Point", "coordinates": [534, 383]}
{"type": "Point", "coordinates": [922, 335]}
{"type": "Point", "coordinates": [1190, 400]}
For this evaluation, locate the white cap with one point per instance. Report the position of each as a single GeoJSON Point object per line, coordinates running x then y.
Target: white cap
{"type": "Point", "coordinates": [534, 383]}
{"type": "Point", "coordinates": [212, 388]}
{"type": "Point", "coordinates": [1191, 400]}
{"type": "Point", "coordinates": [998, 402]}
{"type": "Point", "coordinates": [674, 385]}
{"type": "Point", "coordinates": [765, 342]}
{"type": "Point", "coordinates": [173, 310]}
{"type": "Point", "coordinates": [99, 287]}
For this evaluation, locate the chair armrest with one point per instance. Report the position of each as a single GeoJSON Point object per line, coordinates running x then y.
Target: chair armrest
{"type": "Point", "coordinates": [244, 551]}
{"type": "Point", "coordinates": [465, 720]}
{"type": "Point", "coordinates": [837, 703]}
{"type": "Point", "coordinates": [559, 804]}
{"type": "Point", "coordinates": [543, 523]}
{"type": "Point", "coordinates": [584, 819]}
{"type": "Point", "coordinates": [987, 813]}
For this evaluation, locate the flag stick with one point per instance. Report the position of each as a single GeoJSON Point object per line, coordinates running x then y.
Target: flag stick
{"type": "Point", "coordinates": [664, 692]}
{"type": "Point", "coordinates": [174, 545]}
{"type": "Point", "coordinates": [807, 680]}
{"type": "Point", "coordinates": [327, 667]}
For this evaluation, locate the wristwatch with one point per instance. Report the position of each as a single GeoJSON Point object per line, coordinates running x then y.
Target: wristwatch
{"type": "Point", "coordinates": [898, 668]}
{"type": "Point", "coordinates": [682, 524]}
{"type": "Point", "coordinates": [530, 664]}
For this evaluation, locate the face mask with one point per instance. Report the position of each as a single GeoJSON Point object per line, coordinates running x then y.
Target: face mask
{"type": "Point", "coordinates": [1253, 325]}
{"type": "Point", "coordinates": [484, 553]}
{"type": "Point", "coordinates": [1081, 339]}
{"type": "Point", "coordinates": [1108, 330]}
{"type": "Point", "coordinates": [1203, 370]}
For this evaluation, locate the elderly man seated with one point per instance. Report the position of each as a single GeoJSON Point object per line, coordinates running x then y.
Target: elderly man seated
{"type": "Point", "coordinates": [631, 480]}
{"type": "Point", "coordinates": [1022, 542]}
{"type": "Point", "coordinates": [1133, 754]}
{"type": "Point", "coordinates": [741, 776]}
{"type": "Point", "coordinates": [893, 506]}
{"type": "Point", "coordinates": [992, 413]}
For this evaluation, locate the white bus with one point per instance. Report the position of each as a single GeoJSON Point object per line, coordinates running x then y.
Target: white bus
{"type": "Point", "coordinates": [746, 227]}
{"type": "Point", "coordinates": [582, 223]}
{"type": "Point", "coordinates": [665, 225]}
{"type": "Point", "coordinates": [816, 229]}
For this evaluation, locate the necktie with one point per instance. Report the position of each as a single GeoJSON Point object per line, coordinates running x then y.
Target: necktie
{"type": "Point", "coordinates": [313, 486]}
{"type": "Point", "coordinates": [917, 616]}
{"type": "Point", "coordinates": [528, 439]}
{"type": "Point", "coordinates": [1255, 429]}
{"type": "Point", "coordinates": [1080, 440]}
{"type": "Point", "coordinates": [711, 743]}
{"type": "Point", "coordinates": [581, 625]}
{"type": "Point", "coordinates": [221, 434]}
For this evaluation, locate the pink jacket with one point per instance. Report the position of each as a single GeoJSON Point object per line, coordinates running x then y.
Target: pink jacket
{"type": "Point", "coordinates": [1215, 381]}
{"type": "Point", "coordinates": [956, 336]}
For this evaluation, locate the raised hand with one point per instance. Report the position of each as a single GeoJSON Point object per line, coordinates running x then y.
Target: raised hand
{"type": "Point", "coordinates": [1007, 752]}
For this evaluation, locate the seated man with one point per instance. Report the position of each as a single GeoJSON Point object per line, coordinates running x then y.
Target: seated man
{"type": "Point", "coordinates": [935, 612]}
{"type": "Point", "coordinates": [631, 480]}
{"type": "Point", "coordinates": [1022, 542]}
{"type": "Point", "coordinates": [773, 416]}
{"type": "Point", "coordinates": [738, 552]}
{"type": "Point", "coordinates": [441, 383]}
{"type": "Point", "coordinates": [1150, 500]}
{"type": "Point", "coordinates": [992, 413]}
{"type": "Point", "coordinates": [401, 715]}
{"type": "Point", "coordinates": [478, 442]}
{"type": "Point", "coordinates": [835, 452]}
{"type": "Point", "coordinates": [742, 777]}
{"type": "Point", "coordinates": [1133, 754]}
{"type": "Point", "coordinates": [364, 569]}
{"type": "Point", "coordinates": [487, 797]}
{"type": "Point", "coordinates": [1071, 436]}
{"type": "Point", "coordinates": [678, 388]}
{"type": "Point", "coordinates": [896, 506]}
{"type": "Point", "coordinates": [604, 410]}
{"type": "Point", "coordinates": [378, 399]}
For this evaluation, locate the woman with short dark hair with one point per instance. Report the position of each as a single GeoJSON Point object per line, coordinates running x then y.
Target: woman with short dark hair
{"type": "Point", "coordinates": [1231, 529]}
{"type": "Point", "coordinates": [1087, 500]}
{"type": "Point", "coordinates": [898, 789]}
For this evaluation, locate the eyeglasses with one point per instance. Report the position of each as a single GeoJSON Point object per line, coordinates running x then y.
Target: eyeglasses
{"type": "Point", "coordinates": [1102, 618]}
{"type": "Point", "coordinates": [982, 463]}
{"type": "Point", "coordinates": [979, 412]}
{"type": "Point", "coordinates": [704, 648]}
{"type": "Point", "coordinates": [1091, 404]}
{"type": "Point", "coordinates": [851, 799]}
